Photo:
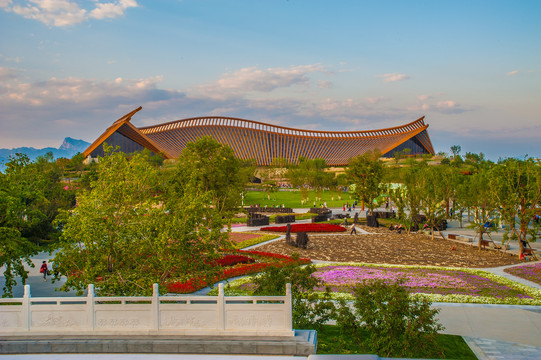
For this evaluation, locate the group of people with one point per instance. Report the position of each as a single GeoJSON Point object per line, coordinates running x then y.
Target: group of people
{"type": "Point", "coordinates": [347, 206]}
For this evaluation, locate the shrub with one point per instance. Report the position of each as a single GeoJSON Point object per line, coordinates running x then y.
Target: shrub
{"type": "Point", "coordinates": [397, 325]}
{"type": "Point", "coordinates": [310, 309]}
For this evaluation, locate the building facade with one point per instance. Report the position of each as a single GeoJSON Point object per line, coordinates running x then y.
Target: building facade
{"type": "Point", "coordinates": [252, 140]}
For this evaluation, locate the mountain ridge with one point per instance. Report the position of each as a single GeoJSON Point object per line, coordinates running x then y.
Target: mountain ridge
{"type": "Point", "coordinates": [67, 149]}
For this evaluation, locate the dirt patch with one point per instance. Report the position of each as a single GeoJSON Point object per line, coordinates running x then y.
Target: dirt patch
{"type": "Point", "coordinates": [387, 247]}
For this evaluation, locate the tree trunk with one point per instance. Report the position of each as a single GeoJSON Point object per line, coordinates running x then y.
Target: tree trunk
{"type": "Point", "coordinates": [480, 238]}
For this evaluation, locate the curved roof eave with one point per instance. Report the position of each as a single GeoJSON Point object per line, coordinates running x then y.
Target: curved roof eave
{"type": "Point", "coordinates": [256, 125]}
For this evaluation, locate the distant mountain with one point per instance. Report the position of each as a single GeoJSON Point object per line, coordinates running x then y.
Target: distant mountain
{"type": "Point", "coordinates": [68, 148]}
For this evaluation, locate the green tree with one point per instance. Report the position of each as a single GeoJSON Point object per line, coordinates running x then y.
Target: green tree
{"type": "Point", "coordinates": [516, 184]}
{"type": "Point", "coordinates": [310, 309]}
{"type": "Point", "coordinates": [433, 186]}
{"type": "Point", "coordinates": [272, 174]}
{"type": "Point", "coordinates": [210, 167]}
{"type": "Point", "coordinates": [30, 194]}
{"type": "Point", "coordinates": [129, 230]}
{"type": "Point", "coordinates": [483, 203]}
{"type": "Point", "coordinates": [396, 324]}
{"type": "Point", "coordinates": [367, 173]}
{"type": "Point", "coordinates": [309, 173]}
{"type": "Point", "coordinates": [455, 149]}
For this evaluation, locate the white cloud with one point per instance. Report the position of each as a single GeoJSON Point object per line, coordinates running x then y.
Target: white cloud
{"type": "Point", "coordinates": [447, 104]}
{"type": "Point", "coordinates": [62, 13]}
{"type": "Point", "coordinates": [112, 10]}
{"type": "Point", "coordinates": [511, 73]}
{"type": "Point", "coordinates": [424, 97]}
{"type": "Point", "coordinates": [253, 79]}
{"type": "Point", "coordinates": [377, 99]}
{"type": "Point", "coordinates": [393, 77]}
{"type": "Point", "coordinates": [322, 84]}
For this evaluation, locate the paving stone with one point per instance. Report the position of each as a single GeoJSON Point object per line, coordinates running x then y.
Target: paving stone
{"type": "Point", "coordinates": [38, 347]}
{"type": "Point", "coordinates": [343, 357]}
{"type": "Point", "coordinates": [216, 347]}
{"type": "Point", "coordinates": [139, 347]}
{"type": "Point", "coordinates": [244, 347]}
{"type": "Point", "coordinates": [191, 348]}
{"type": "Point", "coordinates": [13, 347]}
{"type": "Point", "coordinates": [164, 347]}
{"type": "Point", "coordinates": [89, 347]}
{"type": "Point", "coordinates": [269, 349]}
{"type": "Point", "coordinates": [114, 347]}
{"type": "Point", "coordinates": [63, 347]}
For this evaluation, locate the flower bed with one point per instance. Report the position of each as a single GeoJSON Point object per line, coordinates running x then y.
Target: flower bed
{"type": "Point", "coordinates": [531, 272]}
{"type": "Point", "coordinates": [234, 265]}
{"type": "Point", "coordinates": [241, 240]}
{"type": "Point", "coordinates": [438, 284]}
{"type": "Point", "coordinates": [312, 227]}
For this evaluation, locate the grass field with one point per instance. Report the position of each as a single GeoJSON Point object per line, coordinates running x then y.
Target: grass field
{"type": "Point", "coordinates": [293, 199]}
{"type": "Point", "coordinates": [332, 341]}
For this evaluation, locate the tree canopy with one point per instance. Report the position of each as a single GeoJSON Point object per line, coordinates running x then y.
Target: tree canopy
{"type": "Point", "coordinates": [367, 173]}
{"type": "Point", "coordinates": [130, 229]}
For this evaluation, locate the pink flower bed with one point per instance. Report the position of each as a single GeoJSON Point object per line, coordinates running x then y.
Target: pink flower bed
{"type": "Point", "coordinates": [343, 278]}
{"type": "Point", "coordinates": [295, 228]}
{"type": "Point", "coordinates": [531, 272]}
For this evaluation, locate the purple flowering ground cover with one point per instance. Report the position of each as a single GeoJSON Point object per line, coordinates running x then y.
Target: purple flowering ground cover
{"type": "Point", "coordinates": [530, 272]}
{"type": "Point", "coordinates": [342, 278]}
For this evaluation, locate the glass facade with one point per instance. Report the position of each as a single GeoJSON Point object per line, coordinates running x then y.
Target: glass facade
{"type": "Point", "coordinates": [413, 144]}
{"type": "Point", "coordinates": [126, 145]}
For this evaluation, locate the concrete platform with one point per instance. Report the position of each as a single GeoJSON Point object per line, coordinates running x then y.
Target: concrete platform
{"type": "Point", "coordinates": [302, 344]}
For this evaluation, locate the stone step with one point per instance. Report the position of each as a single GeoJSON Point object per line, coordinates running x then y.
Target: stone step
{"type": "Point", "coordinates": [302, 344]}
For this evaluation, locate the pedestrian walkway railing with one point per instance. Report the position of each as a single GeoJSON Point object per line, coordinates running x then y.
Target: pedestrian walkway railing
{"type": "Point", "coordinates": [175, 315]}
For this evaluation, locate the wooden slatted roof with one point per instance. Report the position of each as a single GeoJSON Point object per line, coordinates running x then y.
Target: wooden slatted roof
{"type": "Point", "coordinates": [263, 142]}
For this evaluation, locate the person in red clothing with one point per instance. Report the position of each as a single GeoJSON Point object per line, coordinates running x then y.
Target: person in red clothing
{"type": "Point", "coordinates": [44, 269]}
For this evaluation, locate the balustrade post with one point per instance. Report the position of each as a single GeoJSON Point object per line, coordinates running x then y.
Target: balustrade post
{"type": "Point", "coordinates": [289, 308]}
{"type": "Point", "coordinates": [90, 307]}
{"type": "Point", "coordinates": [155, 307]}
{"type": "Point", "coordinates": [221, 307]}
{"type": "Point", "coordinates": [27, 318]}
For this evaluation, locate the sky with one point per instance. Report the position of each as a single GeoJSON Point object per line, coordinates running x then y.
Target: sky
{"type": "Point", "coordinates": [472, 68]}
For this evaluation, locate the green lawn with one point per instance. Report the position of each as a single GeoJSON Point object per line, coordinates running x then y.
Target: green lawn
{"type": "Point", "coordinates": [331, 341]}
{"type": "Point", "coordinates": [293, 199]}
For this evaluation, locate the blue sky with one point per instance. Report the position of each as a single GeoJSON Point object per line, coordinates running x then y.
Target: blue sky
{"type": "Point", "coordinates": [473, 68]}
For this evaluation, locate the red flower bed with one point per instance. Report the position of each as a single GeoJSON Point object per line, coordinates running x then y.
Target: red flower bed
{"type": "Point", "coordinates": [312, 227]}
{"type": "Point", "coordinates": [230, 260]}
{"type": "Point", "coordinates": [270, 259]}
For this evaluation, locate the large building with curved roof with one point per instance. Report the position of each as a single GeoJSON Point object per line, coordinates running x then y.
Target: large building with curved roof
{"type": "Point", "coordinates": [252, 140]}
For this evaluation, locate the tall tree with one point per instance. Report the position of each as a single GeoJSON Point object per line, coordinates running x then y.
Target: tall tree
{"type": "Point", "coordinates": [130, 230]}
{"type": "Point", "coordinates": [433, 189]}
{"type": "Point", "coordinates": [367, 173]}
{"type": "Point", "coordinates": [516, 184]}
{"type": "Point", "coordinates": [30, 195]}
{"type": "Point", "coordinates": [483, 203]}
{"type": "Point", "coordinates": [309, 173]}
{"type": "Point", "coordinates": [210, 167]}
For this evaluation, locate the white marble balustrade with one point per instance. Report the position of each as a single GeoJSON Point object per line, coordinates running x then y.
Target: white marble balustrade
{"type": "Point", "coordinates": [140, 315]}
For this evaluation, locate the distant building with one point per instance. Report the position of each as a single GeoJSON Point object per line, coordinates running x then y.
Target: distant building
{"type": "Point", "coordinates": [262, 142]}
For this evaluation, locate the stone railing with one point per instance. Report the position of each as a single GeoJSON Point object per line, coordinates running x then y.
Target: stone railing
{"type": "Point", "coordinates": [148, 315]}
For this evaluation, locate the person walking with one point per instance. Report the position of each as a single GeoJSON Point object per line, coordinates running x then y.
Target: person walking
{"type": "Point", "coordinates": [44, 269]}
{"type": "Point", "coordinates": [353, 230]}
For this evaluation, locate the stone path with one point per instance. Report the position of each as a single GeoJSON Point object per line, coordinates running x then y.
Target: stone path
{"type": "Point", "coordinates": [490, 349]}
